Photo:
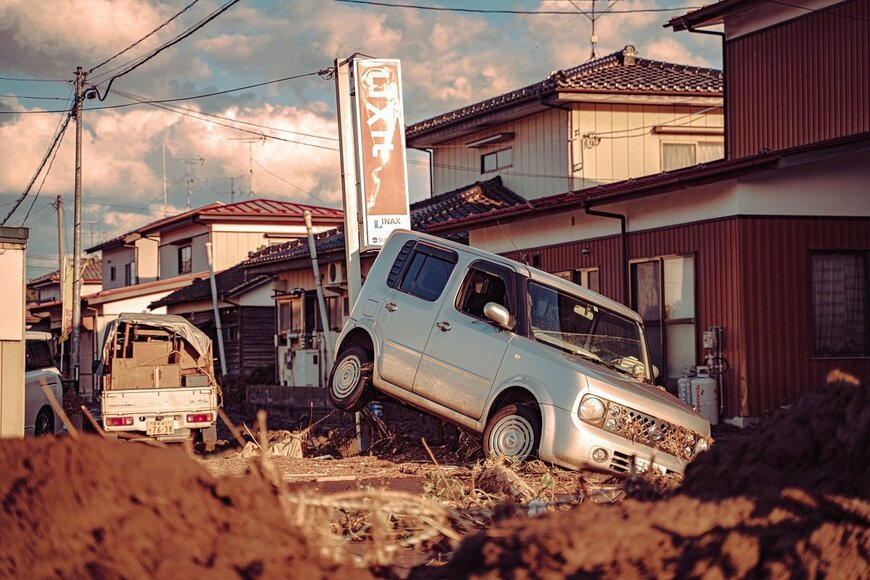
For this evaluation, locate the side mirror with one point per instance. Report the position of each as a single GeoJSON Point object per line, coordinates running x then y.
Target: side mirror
{"type": "Point", "coordinates": [498, 314]}
{"type": "Point", "coordinates": [656, 372]}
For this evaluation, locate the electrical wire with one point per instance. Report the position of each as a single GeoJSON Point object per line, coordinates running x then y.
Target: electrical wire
{"type": "Point", "coordinates": [174, 100]}
{"type": "Point", "coordinates": [147, 100]}
{"type": "Point", "coordinates": [514, 12]}
{"type": "Point", "coordinates": [44, 177]}
{"type": "Point", "coordinates": [27, 80]}
{"type": "Point", "coordinates": [147, 36]}
{"type": "Point", "coordinates": [32, 97]}
{"type": "Point", "coordinates": [136, 63]}
{"type": "Point", "coordinates": [279, 178]}
{"type": "Point", "coordinates": [58, 136]}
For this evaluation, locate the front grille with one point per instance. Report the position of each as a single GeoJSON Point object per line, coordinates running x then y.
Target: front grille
{"type": "Point", "coordinates": [650, 431]}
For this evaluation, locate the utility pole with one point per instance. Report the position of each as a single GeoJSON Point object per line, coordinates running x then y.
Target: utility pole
{"type": "Point", "coordinates": [75, 337]}
{"type": "Point", "coordinates": [61, 277]}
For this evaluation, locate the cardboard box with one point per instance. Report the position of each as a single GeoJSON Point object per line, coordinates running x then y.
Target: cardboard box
{"type": "Point", "coordinates": [152, 353]}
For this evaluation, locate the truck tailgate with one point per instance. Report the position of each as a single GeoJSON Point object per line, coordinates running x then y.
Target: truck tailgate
{"type": "Point", "coordinates": [150, 401]}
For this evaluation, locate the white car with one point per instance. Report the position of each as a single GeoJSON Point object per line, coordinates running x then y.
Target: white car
{"type": "Point", "coordinates": [39, 419]}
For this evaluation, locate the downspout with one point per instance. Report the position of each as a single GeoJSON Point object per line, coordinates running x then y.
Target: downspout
{"type": "Point", "coordinates": [624, 235]}
{"type": "Point", "coordinates": [721, 35]}
{"type": "Point", "coordinates": [217, 313]}
{"type": "Point", "coordinates": [431, 153]}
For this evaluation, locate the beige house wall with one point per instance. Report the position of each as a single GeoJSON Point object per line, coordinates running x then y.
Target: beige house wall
{"type": "Point", "coordinates": [116, 257]}
{"type": "Point", "coordinates": [12, 343]}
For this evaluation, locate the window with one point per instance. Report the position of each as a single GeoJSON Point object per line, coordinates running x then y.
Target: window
{"type": "Point", "coordinates": [496, 160]}
{"type": "Point", "coordinates": [128, 274]}
{"type": "Point", "coordinates": [479, 289]}
{"type": "Point", "coordinates": [38, 355]}
{"type": "Point", "coordinates": [677, 155]}
{"type": "Point", "coordinates": [427, 272]}
{"type": "Point", "coordinates": [185, 263]}
{"type": "Point", "coordinates": [663, 293]}
{"type": "Point", "coordinates": [112, 274]}
{"type": "Point", "coordinates": [840, 288]}
{"type": "Point", "coordinates": [231, 333]}
{"type": "Point", "coordinates": [586, 277]}
{"type": "Point", "coordinates": [710, 152]}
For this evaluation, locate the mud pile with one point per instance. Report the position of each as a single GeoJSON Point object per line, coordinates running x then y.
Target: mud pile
{"type": "Point", "coordinates": [792, 499]}
{"type": "Point", "coordinates": [98, 509]}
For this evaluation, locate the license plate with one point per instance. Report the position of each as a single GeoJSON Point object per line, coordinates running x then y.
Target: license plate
{"type": "Point", "coordinates": [159, 427]}
{"type": "Point", "coordinates": [643, 465]}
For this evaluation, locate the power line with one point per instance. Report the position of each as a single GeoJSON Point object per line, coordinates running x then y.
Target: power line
{"type": "Point", "coordinates": [136, 63]}
{"type": "Point", "coordinates": [514, 12]}
{"type": "Point", "coordinates": [45, 159]}
{"type": "Point", "coordinates": [28, 80]}
{"type": "Point", "coordinates": [147, 100]}
{"type": "Point", "coordinates": [35, 98]}
{"type": "Point", "coordinates": [278, 177]}
{"type": "Point", "coordinates": [147, 36]}
{"type": "Point", "coordinates": [174, 100]}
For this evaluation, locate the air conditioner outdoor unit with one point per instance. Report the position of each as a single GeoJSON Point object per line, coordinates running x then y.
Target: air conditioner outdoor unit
{"type": "Point", "coordinates": [335, 273]}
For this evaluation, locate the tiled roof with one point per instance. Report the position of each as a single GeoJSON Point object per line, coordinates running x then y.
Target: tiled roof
{"type": "Point", "coordinates": [480, 198]}
{"type": "Point", "coordinates": [252, 208]}
{"type": "Point", "coordinates": [228, 283]}
{"type": "Point", "coordinates": [620, 72]}
{"type": "Point", "coordinates": [91, 273]}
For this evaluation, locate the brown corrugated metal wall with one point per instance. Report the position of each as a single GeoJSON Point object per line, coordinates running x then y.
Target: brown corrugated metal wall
{"type": "Point", "coordinates": [818, 90]}
{"type": "Point", "coordinates": [778, 305]}
{"type": "Point", "coordinates": [752, 279]}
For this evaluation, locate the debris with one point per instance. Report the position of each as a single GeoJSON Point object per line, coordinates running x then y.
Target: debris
{"type": "Point", "coordinates": [496, 476]}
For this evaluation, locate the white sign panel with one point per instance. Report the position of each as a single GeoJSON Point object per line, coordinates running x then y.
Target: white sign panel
{"type": "Point", "coordinates": [12, 291]}
{"type": "Point", "coordinates": [380, 134]}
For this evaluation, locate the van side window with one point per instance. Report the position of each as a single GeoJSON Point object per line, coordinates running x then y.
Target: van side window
{"type": "Point", "coordinates": [427, 272]}
{"type": "Point", "coordinates": [479, 289]}
{"type": "Point", "coordinates": [38, 355]}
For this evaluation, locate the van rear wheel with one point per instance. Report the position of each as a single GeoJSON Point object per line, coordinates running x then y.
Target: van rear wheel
{"type": "Point", "coordinates": [44, 422]}
{"type": "Point", "coordinates": [514, 431]}
{"type": "Point", "coordinates": [350, 379]}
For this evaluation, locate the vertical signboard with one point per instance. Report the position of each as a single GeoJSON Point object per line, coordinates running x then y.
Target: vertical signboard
{"type": "Point", "coordinates": [66, 293]}
{"type": "Point", "coordinates": [380, 133]}
{"type": "Point", "coordinates": [12, 291]}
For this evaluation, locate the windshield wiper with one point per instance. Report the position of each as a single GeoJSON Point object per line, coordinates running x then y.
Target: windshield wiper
{"type": "Point", "coordinates": [602, 362]}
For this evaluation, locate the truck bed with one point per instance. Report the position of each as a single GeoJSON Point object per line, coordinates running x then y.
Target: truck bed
{"type": "Point", "coordinates": [159, 401]}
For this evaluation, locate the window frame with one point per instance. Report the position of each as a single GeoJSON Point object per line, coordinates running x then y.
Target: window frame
{"type": "Point", "coordinates": [817, 355]}
{"type": "Point", "coordinates": [692, 144]}
{"type": "Point", "coordinates": [185, 266]}
{"type": "Point", "coordinates": [431, 252]}
{"type": "Point", "coordinates": [507, 277]}
{"type": "Point", "coordinates": [495, 155]}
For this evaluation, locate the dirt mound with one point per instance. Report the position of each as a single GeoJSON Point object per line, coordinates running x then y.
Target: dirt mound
{"type": "Point", "coordinates": [93, 508]}
{"type": "Point", "coordinates": [790, 499]}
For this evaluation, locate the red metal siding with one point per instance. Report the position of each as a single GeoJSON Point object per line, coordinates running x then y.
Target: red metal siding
{"type": "Point", "coordinates": [803, 81]}
{"type": "Point", "coordinates": [778, 308]}
{"type": "Point", "coordinates": [753, 279]}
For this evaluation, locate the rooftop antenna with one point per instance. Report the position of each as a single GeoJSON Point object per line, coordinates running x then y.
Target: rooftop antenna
{"type": "Point", "coordinates": [592, 15]}
{"type": "Point", "coordinates": [250, 143]}
{"type": "Point", "coordinates": [188, 162]}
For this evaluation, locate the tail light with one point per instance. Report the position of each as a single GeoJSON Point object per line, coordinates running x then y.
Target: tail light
{"type": "Point", "coordinates": [200, 418]}
{"type": "Point", "coordinates": [119, 421]}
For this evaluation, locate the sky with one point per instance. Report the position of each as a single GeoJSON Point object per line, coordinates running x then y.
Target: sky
{"type": "Point", "coordinates": [279, 139]}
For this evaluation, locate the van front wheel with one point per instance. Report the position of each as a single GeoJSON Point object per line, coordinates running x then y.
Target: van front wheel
{"type": "Point", "coordinates": [350, 379]}
{"type": "Point", "coordinates": [514, 431]}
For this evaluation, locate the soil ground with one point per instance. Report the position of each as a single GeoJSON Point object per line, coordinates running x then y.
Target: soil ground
{"type": "Point", "coordinates": [789, 498]}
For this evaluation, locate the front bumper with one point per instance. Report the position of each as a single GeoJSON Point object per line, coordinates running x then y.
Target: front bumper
{"type": "Point", "coordinates": [569, 442]}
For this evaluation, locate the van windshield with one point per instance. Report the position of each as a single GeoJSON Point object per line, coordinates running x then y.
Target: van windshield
{"type": "Point", "coordinates": [582, 328]}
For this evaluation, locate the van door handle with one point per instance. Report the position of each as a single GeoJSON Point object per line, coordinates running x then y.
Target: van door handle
{"type": "Point", "coordinates": [444, 326]}
{"type": "Point", "coordinates": [391, 306]}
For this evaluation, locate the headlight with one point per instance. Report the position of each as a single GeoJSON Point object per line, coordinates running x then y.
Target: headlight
{"type": "Point", "coordinates": [592, 409]}
{"type": "Point", "coordinates": [701, 446]}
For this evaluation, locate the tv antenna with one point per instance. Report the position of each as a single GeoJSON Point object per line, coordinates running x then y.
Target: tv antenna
{"type": "Point", "coordinates": [250, 141]}
{"type": "Point", "coordinates": [188, 162]}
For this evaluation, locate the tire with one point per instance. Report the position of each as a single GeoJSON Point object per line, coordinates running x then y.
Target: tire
{"type": "Point", "coordinates": [350, 380]}
{"type": "Point", "coordinates": [514, 431]}
{"type": "Point", "coordinates": [44, 422]}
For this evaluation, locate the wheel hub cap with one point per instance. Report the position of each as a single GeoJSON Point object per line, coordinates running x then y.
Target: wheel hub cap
{"type": "Point", "coordinates": [512, 436]}
{"type": "Point", "coordinates": [346, 377]}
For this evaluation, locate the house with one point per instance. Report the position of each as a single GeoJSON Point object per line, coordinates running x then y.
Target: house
{"type": "Point", "coordinates": [613, 118]}
{"type": "Point", "coordinates": [766, 249]}
{"type": "Point", "coordinates": [45, 293]}
{"type": "Point", "coordinates": [247, 316]}
{"type": "Point", "coordinates": [151, 262]}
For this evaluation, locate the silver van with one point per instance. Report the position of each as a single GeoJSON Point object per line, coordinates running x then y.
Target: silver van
{"type": "Point", "coordinates": [539, 366]}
